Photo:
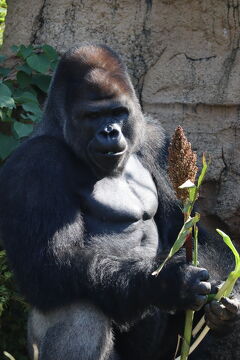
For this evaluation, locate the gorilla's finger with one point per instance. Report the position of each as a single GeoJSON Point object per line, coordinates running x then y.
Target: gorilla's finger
{"type": "Point", "coordinates": [203, 274]}
{"type": "Point", "coordinates": [232, 305]}
{"type": "Point", "coordinates": [199, 302]}
{"type": "Point", "coordinates": [203, 288]}
{"type": "Point", "coordinates": [211, 317]}
{"type": "Point", "coordinates": [215, 286]}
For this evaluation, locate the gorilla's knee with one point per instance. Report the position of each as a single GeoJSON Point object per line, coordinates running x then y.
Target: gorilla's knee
{"type": "Point", "coordinates": [80, 332]}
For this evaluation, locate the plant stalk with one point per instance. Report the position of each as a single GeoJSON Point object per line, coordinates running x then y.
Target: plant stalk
{"type": "Point", "coordinates": [191, 256]}
{"type": "Point", "coordinates": [187, 334]}
{"type": "Point", "coordinates": [188, 242]}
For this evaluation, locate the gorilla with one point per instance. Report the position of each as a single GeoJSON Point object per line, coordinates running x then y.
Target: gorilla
{"type": "Point", "coordinates": [87, 214]}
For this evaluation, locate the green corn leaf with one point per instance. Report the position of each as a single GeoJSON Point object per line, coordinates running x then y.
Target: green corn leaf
{"type": "Point", "coordinates": [192, 193]}
{"type": "Point", "coordinates": [187, 207]}
{"type": "Point", "coordinates": [192, 190]}
{"type": "Point", "coordinates": [229, 243]}
{"type": "Point", "coordinates": [203, 171]}
{"type": "Point", "coordinates": [186, 229]}
{"type": "Point", "coordinates": [9, 356]}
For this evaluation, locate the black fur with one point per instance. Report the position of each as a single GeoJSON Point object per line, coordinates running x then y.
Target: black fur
{"type": "Point", "coordinates": [68, 241]}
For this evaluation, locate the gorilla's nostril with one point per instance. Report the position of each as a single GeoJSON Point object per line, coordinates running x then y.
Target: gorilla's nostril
{"type": "Point", "coordinates": [114, 133]}
{"type": "Point", "coordinates": [110, 131]}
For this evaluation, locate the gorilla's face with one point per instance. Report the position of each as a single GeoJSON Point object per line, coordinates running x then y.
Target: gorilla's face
{"type": "Point", "coordinates": [104, 133]}
{"type": "Point", "coordinates": [107, 146]}
{"type": "Point", "coordinates": [99, 112]}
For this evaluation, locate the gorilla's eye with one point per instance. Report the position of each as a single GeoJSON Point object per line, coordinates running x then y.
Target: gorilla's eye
{"type": "Point", "coordinates": [92, 115]}
{"type": "Point", "coordinates": [120, 111]}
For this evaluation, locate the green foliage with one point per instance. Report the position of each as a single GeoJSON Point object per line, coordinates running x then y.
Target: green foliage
{"type": "Point", "coordinates": [3, 13]}
{"type": "Point", "coordinates": [23, 88]}
{"type": "Point", "coordinates": [12, 314]}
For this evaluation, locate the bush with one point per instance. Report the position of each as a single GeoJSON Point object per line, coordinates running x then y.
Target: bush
{"type": "Point", "coordinates": [23, 88]}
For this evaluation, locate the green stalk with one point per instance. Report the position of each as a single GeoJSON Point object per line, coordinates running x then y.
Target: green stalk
{"type": "Point", "coordinates": [187, 334]}
{"type": "Point", "coordinates": [189, 313]}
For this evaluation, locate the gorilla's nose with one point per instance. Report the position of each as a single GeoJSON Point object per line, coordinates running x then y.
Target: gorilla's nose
{"type": "Point", "coordinates": [112, 131]}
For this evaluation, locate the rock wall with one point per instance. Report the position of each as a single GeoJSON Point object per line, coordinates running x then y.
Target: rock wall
{"type": "Point", "coordinates": [183, 56]}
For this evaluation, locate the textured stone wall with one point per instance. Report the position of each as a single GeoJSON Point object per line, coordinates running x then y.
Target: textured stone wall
{"type": "Point", "coordinates": [183, 56]}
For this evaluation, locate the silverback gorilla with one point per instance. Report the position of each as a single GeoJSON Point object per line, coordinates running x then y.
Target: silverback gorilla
{"type": "Point", "coordinates": [87, 214]}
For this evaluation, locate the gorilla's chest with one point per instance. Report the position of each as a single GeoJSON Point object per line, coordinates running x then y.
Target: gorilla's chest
{"type": "Point", "coordinates": [118, 202]}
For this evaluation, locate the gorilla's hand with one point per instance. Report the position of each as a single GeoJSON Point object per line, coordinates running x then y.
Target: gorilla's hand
{"type": "Point", "coordinates": [193, 287]}
{"type": "Point", "coordinates": [186, 287]}
{"type": "Point", "coordinates": [221, 316]}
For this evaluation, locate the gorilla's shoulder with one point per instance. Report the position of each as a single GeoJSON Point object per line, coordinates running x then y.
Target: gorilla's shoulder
{"type": "Point", "coordinates": [40, 151]}
{"type": "Point", "coordinates": [43, 147]}
{"type": "Point", "coordinates": [36, 159]}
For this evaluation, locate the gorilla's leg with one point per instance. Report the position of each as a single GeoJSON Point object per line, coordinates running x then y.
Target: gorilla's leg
{"type": "Point", "coordinates": [77, 332]}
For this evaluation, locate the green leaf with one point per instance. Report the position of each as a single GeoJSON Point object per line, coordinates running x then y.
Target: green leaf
{"type": "Point", "coordinates": [15, 48]}
{"type": "Point", "coordinates": [9, 356]}
{"type": "Point", "coordinates": [53, 65]}
{"type": "Point", "coordinates": [26, 97]}
{"type": "Point", "coordinates": [186, 229]}
{"type": "Point", "coordinates": [50, 52]}
{"type": "Point", "coordinates": [22, 130]}
{"type": "Point", "coordinates": [32, 117]}
{"type": "Point", "coordinates": [7, 145]}
{"type": "Point", "coordinates": [4, 71]}
{"type": "Point", "coordinates": [192, 194]}
{"type": "Point", "coordinates": [25, 68]}
{"type": "Point", "coordinates": [23, 79]}
{"type": "Point", "coordinates": [42, 81]}
{"type": "Point", "coordinates": [229, 243]}
{"type": "Point", "coordinates": [32, 107]}
{"type": "Point", "coordinates": [4, 90]}
{"type": "Point", "coordinates": [25, 51]}
{"type": "Point", "coordinates": [7, 102]}
{"type": "Point", "coordinates": [39, 63]}
{"type": "Point", "coordinates": [6, 115]}
{"type": "Point", "coordinates": [203, 171]}
{"type": "Point", "coordinates": [9, 84]}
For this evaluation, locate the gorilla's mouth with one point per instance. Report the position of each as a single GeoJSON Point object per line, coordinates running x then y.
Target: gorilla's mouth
{"type": "Point", "coordinates": [108, 159]}
{"type": "Point", "coordinates": [113, 153]}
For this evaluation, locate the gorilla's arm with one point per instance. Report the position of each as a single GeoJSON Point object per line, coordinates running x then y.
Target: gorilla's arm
{"type": "Point", "coordinates": [43, 233]}
{"type": "Point", "coordinates": [213, 254]}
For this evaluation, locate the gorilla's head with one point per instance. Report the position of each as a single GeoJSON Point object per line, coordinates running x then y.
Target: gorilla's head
{"type": "Point", "coordinates": [93, 101]}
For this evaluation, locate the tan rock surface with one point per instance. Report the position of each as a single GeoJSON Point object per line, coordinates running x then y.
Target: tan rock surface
{"type": "Point", "coordinates": [183, 56]}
